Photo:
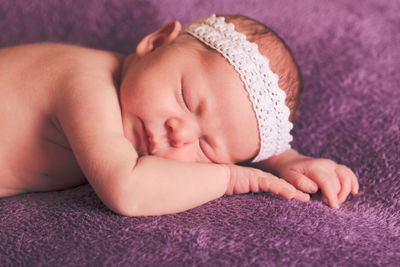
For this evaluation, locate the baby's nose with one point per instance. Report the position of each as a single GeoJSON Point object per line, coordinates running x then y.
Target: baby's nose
{"type": "Point", "coordinates": [181, 132]}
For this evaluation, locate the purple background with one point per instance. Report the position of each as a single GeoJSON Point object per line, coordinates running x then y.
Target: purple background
{"type": "Point", "coordinates": [349, 52]}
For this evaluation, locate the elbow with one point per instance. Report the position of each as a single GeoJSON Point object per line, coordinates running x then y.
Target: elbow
{"type": "Point", "coordinates": [121, 208]}
{"type": "Point", "coordinates": [128, 203]}
{"type": "Point", "coordinates": [134, 210]}
{"type": "Point", "coordinates": [137, 206]}
{"type": "Point", "coordinates": [125, 205]}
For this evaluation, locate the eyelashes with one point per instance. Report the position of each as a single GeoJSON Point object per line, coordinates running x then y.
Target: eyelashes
{"type": "Point", "coordinates": [183, 99]}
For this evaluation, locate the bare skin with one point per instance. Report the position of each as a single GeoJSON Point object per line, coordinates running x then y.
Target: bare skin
{"type": "Point", "coordinates": [35, 153]}
{"type": "Point", "coordinates": [71, 114]}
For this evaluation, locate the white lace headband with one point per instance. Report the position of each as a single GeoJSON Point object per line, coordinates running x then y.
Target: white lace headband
{"type": "Point", "coordinates": [267, 99]}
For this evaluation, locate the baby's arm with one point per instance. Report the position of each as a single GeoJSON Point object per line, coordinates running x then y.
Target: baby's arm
{"type": "Point", "coordinates": [308, 174]}
{"type": "Point", "coordinates": [90, 116]}
{"type": "Point", "coordinates": [159, 186]}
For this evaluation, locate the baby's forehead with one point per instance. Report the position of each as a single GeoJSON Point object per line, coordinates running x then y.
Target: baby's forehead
{"type": "Point", "coordinates": [204, 52]}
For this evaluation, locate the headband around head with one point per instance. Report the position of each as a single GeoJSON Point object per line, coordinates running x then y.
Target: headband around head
{"type": "Point", "coordinates": [268, 100]}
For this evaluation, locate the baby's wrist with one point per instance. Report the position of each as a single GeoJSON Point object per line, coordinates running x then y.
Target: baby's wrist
{"type": "Point", "coordinates": [230, 176]}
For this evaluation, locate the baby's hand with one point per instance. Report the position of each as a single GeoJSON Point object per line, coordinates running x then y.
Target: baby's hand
{"type": "Point", "coordinates": [246, 179]}
{"type": "Point", "coordinates": [308, 174]}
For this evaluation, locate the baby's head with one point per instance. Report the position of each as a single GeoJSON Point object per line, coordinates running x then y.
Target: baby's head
{"type": "Point", "coordinates": [207, 94]}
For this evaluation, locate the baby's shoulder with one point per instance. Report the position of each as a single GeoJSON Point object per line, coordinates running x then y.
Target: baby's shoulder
{"type": "Point", "coordinates": [59, 59]}
{"type": "Point", "coordinates": [79, 58]}
{"type": "Point", "coordinates": [86, 65]}
{"type": "Point", "coordinates": [86, 76]}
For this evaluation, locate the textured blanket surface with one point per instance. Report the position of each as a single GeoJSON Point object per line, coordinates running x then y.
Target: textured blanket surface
{"type": "Point", "coordinates": [349, 52]}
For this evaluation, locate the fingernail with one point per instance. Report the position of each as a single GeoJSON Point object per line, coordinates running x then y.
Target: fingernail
{"type": "Point", "coordinates": [313, 188]}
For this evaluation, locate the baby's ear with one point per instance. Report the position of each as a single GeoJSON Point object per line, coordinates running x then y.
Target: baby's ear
{"type": "Point", "coordinates": [162, 36]}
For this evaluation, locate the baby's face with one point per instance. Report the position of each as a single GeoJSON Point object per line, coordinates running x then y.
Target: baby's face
{"type": "Point", "coordinates": [185, 103]}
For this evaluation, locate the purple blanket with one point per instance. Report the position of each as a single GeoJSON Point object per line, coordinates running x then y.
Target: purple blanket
{"type": "Point", "coordinates": [349, 52]}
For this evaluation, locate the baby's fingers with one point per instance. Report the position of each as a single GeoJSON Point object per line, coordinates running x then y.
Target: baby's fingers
{"type": "Point", "coordinates": [354, 182]}
{"type": "Point", "coordinates": [332, 198]}
{"type": "Point", "coordinates": [300, 181]}
{"type": "Point", "coordinates": [280, 187]}
{"type": "Point", "coordinates": [345, 177]}
{"type": "Point", "coordinates": [330, 186]}
{"type": "Point", "coordinates": [354, 185]}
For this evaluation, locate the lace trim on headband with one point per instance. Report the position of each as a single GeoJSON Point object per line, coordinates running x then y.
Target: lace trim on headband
{"type": "Point", "coordinates": [268, 100]}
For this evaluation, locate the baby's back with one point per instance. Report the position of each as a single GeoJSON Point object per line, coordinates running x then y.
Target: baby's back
{"type": "Point", "coordinates": [34, 152]}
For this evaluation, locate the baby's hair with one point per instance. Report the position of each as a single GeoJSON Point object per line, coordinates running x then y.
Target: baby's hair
{"type": "Point", "coordinates": [279, 54]}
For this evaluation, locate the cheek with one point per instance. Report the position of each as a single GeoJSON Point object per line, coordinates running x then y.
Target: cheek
{"type": "Point", "coordinates": [136, 102]}
{"type": "Point", "coordinates": [154, 99]}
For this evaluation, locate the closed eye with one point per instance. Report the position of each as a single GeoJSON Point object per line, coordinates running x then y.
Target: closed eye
{"type": "Point", "coordinates": [182, 99]}
{"type": "Point", "coordinates": [187, 96]}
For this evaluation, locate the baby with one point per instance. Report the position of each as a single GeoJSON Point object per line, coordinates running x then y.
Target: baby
{"type": "Point", "coordinates": [159, 131]}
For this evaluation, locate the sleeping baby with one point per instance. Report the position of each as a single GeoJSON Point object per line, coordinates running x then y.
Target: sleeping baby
{"type": "Point", "coordinates": [159, 131]}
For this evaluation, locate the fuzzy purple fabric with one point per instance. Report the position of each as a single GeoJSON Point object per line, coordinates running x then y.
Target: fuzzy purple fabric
{"type": "Point", "coordinates": [349, 52]}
